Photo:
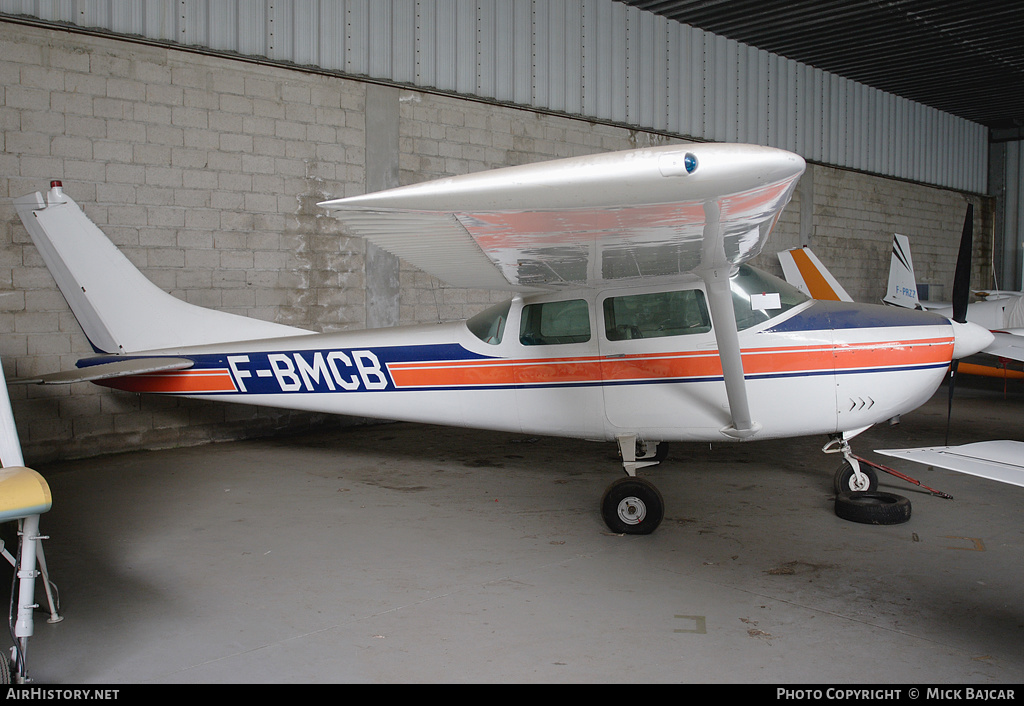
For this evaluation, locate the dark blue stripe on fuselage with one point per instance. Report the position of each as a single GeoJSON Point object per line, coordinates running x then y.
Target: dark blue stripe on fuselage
{"type": "Point", "coordinates": [826, 316]}
{"type": "Point", "coordinates": [314, 370]}
{"type": "Point", "coordinates": [386, 354]}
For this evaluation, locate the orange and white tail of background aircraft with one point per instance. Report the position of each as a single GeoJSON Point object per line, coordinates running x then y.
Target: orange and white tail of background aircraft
{"type": "Point", "coordinates": [632, 316]}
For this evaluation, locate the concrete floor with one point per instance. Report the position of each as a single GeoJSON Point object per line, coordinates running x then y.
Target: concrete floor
{"type": "Point", "coordinates": [404, 553]}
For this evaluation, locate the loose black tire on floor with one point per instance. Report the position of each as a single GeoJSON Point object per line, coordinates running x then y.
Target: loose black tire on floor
{"type": "Point", "coordinates": [873, 508]}
{"type": "Point", "coordinates": [632, 506]}
{"type": "Point", "coordinates": [842, 481]}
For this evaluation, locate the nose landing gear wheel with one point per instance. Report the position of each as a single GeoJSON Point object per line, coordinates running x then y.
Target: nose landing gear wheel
{"type": "Point", "coordinates": [632, 506]}
{"type": "Point", "coordinates": [845, 480]}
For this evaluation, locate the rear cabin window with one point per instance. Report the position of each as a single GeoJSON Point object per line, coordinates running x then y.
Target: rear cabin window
{"type": "Point", "coordinates": [553, 323]}
{"type": "Point", "coordinates": [655, 315]}
{"type": "Point", "coordinates": [489, 324]}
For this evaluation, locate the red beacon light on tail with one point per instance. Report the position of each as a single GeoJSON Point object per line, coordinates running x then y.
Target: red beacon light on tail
{"type": "Point", "coordinates": [56, 191]}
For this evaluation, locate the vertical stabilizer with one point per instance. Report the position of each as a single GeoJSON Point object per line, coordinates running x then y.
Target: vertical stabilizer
{"type": "Point", "coordinates": [902, 290]}
{"type": "Point", "coordinates": [120, 310]}
{"type": "Point", "coordinates": [804, 270]}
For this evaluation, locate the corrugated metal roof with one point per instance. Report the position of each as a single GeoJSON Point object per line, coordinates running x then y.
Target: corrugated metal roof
{"type": "Point", "coordinates": [964, 58]}
{"type": "Point", "coordinates": [601, 59]}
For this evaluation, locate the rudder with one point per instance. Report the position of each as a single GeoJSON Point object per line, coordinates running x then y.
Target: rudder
{"type": "Point", "coordinates": [120, 310]}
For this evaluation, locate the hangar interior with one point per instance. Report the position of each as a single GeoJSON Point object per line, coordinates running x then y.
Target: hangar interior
{"type": "Point", "coordinates": [201, 136]}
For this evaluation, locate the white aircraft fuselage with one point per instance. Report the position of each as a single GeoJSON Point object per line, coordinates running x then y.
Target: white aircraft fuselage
{"type": "Point", "coordinates": [817, 368]}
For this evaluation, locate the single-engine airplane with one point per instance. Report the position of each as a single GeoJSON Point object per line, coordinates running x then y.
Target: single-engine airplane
{"type": "Point", "coordinates": [633, 316]}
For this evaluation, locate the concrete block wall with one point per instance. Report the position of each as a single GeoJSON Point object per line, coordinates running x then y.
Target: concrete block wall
{"type": "Point", "coordinates": [206, 172]}
{"type": "Point", "coordinates": [855, 216]}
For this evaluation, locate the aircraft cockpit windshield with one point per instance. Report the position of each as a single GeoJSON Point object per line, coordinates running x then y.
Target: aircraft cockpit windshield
{"type": "Point", "coordinates": [758, 296]}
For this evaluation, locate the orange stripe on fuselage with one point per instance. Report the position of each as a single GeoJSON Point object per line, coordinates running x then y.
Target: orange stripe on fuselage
{"type": "Point", "coordinates": [895, 353]}
{"type": "Point", "coordinates": [180, 382]}
{"type": "Point", "coordinates": [654, 366]}
{"type": "Point", "coordinates": [592, 369]}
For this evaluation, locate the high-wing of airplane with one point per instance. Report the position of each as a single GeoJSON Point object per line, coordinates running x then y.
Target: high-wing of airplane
{"type": "Point", "coordinates": [633, 316]}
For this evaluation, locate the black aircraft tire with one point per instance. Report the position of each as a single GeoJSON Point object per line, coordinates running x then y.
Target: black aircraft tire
{"type": "Point", "coordinates": [843, 479]}
{"type": "Point", "coordinates": [632, 506]}
{"type": "Point", "coordinates": [873, 507]}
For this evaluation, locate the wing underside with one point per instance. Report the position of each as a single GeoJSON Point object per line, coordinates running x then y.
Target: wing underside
{"type": "Point", "coordinates": [587, 221]}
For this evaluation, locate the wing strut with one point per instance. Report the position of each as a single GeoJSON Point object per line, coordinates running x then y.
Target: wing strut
{"type": "Point", "coordinates": [723, 318]}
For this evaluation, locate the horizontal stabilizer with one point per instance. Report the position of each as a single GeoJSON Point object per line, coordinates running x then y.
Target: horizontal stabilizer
{"type": "Point", "coordinates": [1001, 461]}
{"type": "Point", "coordinates": [105, 371]}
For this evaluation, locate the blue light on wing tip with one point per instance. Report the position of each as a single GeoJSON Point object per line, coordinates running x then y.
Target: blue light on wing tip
{"type": "Point", "coordinates": [690, 162]}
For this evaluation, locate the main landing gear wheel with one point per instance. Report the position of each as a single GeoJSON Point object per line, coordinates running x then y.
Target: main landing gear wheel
{"type": "Point", "coordinates": [845, 480]}
{"type": "Point", "coordinates": [632, 506]}
{"type": "Point", "coordinates": [873, 508]}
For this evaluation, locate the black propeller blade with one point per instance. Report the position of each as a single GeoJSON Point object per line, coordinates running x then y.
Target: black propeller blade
{"type": "Point", "coordinates": [962, 276]}
{"type": "Point", "coordinates": [961, 296]}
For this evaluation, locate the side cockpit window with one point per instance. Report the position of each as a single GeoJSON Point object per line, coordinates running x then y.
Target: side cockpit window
{"type": "Point", "coordinates": [655, 315]}
{"type": "Point", "coordinates": [554, 323]}
{"type": "Point", "coordinates": [489, 325]}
